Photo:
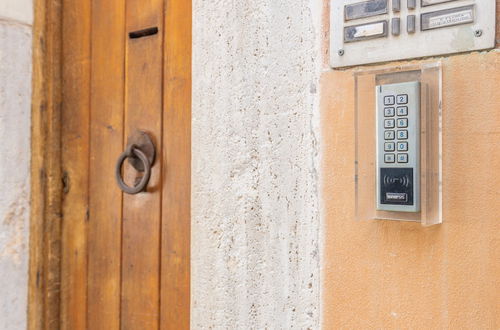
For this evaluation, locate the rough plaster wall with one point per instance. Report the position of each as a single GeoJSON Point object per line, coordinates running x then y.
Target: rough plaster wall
{"type": "Point", "coordinates": [255, 221]}
{"type": "Point", "coordinates": [15, 101]}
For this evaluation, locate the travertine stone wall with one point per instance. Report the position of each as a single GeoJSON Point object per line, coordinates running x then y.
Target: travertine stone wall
{"type": "Point", "coordinates": [255, 218]}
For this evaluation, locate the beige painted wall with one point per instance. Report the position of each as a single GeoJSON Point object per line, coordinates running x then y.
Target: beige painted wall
{"type": "Point", "coordinates": [394, 275]}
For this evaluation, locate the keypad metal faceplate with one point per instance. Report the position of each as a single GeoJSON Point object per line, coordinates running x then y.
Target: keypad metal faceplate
{"type": "Point", "coordinates": [398, 147]}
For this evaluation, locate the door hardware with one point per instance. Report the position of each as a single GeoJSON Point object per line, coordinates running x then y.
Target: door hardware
{"type": "Point", "coordinates": [140, 153]}
{"type": "Point", "coordinates": [143, 33]}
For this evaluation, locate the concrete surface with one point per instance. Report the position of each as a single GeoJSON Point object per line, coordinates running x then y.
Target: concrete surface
{"type": "Point", "coordinates": [15, 113]}
{"type": "Point", "coordinates": [255, 219]}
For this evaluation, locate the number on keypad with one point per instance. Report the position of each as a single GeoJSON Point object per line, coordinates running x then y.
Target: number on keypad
{"type": "Point", "coordinates": [402, 146]}
{"type": "Point", "coordinates": [402, 158]}
{"type": "Point", "coordinates": [402, 111]}
{"type": "Point", "coordinates": [402, 99]}
{"type": "Point", "coordinates": [389, 100]}
{"type": "Point", "coordinates": [389, 123]}
{"type": "Point", "coordinates": [403, 122]}
{"type": "Point", "coordinates": [389, 146]}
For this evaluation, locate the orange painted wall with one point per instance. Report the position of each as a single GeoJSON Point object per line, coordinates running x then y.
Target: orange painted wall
{"type": "Point", "coordinates": [398, 275]}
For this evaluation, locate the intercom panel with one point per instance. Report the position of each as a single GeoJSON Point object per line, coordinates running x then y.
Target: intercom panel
{"type": "Point", "coordinates": [385, 30]}
{"type": "Point", "coordinates": [398, 147]}
{"type": "Point", "coordinates": [398, 113]}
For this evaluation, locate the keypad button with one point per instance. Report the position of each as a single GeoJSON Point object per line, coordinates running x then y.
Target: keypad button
{"type": "Point", "coordinates": [402, 111]}
{"type": "Point", "coordinates": [402, 146]}
{"type": "Point", "coordinates": [403, 122]}
{"type": "Point", "coordinates": [402, 99]}
{"type": "Point", "coordinates": [389, 135]}
{"type": "Point", "coordinates": [389, 100]}
{"type": "Point", "coordinates": [389, 123]}
{"type": "Point", "coordinates": [389, 112]}
{"type": "Point", "coordinates": [389, 158]}
{"type": "Point", "coordinates": [402, 158]}
{"type": "Point", "coordinates": [389, 146]}
{"type": "Point", "coordinates": [402, 135]}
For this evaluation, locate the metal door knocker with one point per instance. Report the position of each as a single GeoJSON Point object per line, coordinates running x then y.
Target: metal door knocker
{"type": "Point", "coordinates": [140, 153]}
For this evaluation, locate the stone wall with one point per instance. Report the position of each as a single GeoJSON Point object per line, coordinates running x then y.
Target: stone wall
{"type": "Point", "coordinates": [255, 217]}
{"type": "Point", "coordinates": [15, 101]}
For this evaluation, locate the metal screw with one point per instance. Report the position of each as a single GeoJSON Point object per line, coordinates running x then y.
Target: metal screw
{"type": "Point", "coordinates": [341, 52]}
{"type": "Point", "coordinates": [478, 33]}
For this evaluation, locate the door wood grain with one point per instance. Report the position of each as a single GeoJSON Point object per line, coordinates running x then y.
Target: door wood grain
{"type": "Point", "coordinates": [125, 258]}
{"type": "Point", "coordinates": [176, 217]}
{"type": "Point", "coordinates": [142, 212]}
{"type": "Point", "coordinates": [76, 131]}
{"type": "Point", "coordinates": [106, 142]}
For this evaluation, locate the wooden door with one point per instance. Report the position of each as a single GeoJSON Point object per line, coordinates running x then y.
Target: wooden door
{"type": "Point", "coordinates": [125, 258]}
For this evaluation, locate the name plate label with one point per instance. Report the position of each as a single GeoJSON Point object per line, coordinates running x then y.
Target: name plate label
{"type": "Point", "coordinates": [447, 17]}
{"type": "Point", "coordinates": [433, 2]}
{"type": "Point", "coordinates": [365, 31]}
{"type": "Point", "coordinates": [365, 9]}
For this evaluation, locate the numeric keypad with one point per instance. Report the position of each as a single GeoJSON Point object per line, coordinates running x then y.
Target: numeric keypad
{"type": "Point", "coordinates": [400, 112]}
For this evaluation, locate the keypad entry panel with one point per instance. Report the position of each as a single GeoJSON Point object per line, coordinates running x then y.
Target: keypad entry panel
{"type": "Point", "coordinates": [398, 147]}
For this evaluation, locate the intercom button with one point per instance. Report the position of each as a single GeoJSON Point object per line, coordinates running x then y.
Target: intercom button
{"type": "Point", "coordinates": [389, 100]}
{"type": "Point", "coordinates": [389, 146]}
{"type": "Point", "coordinates": [402, 111]}
{"type": "Point", "coordinates": [396, 5]}
{"type": "Point", "coordinates": [389, 158]}
{"type": "Point", "coordinates": [396, 26]}
{"type": "Point", "coordinates": [402, 146]}
{"type": "Point", "coordinates": [389, 123]}
{"type": "Point", "coordinates": [402, 99]}
{"type": "Point", "coordinates": [403, 134]}
{"type": "Point", "coordinates": [403, 122]}
{"type": "Point", "coordinates": [402, 158]}
{"type": "Point", "coordinates": [411, 22]}
{"type": "Point", "coordinates": [389, 112]}
{"type": "Point", "coordinates": [389, 135]}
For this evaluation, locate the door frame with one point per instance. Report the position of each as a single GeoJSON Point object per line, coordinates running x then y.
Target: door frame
{"type": "Point", "coordinates": [59, 204]}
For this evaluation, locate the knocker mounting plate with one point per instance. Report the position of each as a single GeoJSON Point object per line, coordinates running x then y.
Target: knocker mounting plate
{"type": "Point", "coordinates": [143, 142]}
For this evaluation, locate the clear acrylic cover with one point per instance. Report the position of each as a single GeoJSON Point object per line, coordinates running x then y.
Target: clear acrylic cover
{"type": "Point", "coordinates": [430, 178]}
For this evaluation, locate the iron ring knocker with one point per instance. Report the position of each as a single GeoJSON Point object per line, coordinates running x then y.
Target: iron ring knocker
{"type": "Point", "coordinates": [130, 152]}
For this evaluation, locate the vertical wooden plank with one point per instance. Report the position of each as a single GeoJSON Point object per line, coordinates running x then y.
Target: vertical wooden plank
{"type": "Point", "coordinates": [176, 218]}
{"type": "Point", "coordinates": [75, 153]}
{"type": "Point", "coordinates": [106, 144]}
{"type": "Point", "coordinates": [141, 212]}
{"type": "Point", "coordinates": [45, 222]}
